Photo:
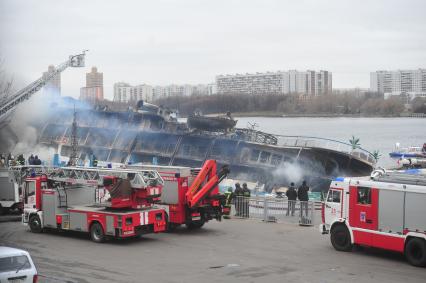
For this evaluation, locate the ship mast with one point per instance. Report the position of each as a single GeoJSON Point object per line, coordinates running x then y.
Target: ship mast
{"type": "Point", "coordinates": [74, 144]}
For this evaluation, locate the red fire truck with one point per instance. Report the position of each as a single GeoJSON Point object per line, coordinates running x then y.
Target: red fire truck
{"type": "Point", "coordinates": [104, 202]}
{"type": "Point", "coordinates": [191, 196]}
{"type": "Point", "coordinates": [386, 210]}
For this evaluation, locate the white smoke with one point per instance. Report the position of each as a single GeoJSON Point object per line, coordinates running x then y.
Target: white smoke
{"type": "Point", "coordinates": [292, 172]}
{"type": "Point", "coordinates": [27, 122]}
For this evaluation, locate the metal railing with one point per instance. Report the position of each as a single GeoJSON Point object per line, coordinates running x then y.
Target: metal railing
{"type": "Point", "coordinates": [307, 141]}
{"type": "Point", "coordinates": [271, 209]}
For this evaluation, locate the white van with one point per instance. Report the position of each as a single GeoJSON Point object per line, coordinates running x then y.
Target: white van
{"type": "Point", "coordinates": [16, 266]}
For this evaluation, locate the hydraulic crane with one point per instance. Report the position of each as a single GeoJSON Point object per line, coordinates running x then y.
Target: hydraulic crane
{"type": "Point", "coordinates": [11, 102]}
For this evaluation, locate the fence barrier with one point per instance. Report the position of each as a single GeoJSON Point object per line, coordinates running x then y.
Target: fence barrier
{"type": "Point", "coordinates": [271, 209]}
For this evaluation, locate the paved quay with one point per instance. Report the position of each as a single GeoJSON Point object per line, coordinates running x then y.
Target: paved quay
{"type": "Point", "coordinates": [236, 250]}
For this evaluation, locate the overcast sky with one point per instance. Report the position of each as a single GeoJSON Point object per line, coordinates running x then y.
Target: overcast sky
{"type": "Point", "coordinates": [164, 42]}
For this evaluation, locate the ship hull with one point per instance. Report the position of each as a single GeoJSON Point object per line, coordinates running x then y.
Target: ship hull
{"type": "Point", "coordinates": [252, 161]}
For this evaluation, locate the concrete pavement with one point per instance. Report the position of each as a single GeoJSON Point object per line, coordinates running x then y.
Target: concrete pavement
{"type": "Point", "coordinates": [236, 250]}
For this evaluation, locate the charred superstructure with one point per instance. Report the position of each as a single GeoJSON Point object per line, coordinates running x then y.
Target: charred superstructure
{"type": "Point", "coordinates": [145, 136]}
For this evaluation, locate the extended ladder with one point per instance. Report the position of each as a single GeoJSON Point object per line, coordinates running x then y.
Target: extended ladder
{"type": "Point", "coordinates": [14, 100]}
{"type": "Point", "coordinates": [86, 176]}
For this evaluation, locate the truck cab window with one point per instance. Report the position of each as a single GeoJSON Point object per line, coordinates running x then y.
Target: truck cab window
{"type": "Point", "coordinates": [364, 195]}
{"type": "Point", "coordinates": [30, 188]}
{"type": "Point", "coordinates": [334, 196]}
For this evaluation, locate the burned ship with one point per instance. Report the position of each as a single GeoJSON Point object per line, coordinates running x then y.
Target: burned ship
{"type": "Point", "coordinates": [151, 134]}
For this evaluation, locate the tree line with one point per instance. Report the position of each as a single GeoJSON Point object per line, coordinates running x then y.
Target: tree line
{"type": "Point", "coordinates": [368, 104]}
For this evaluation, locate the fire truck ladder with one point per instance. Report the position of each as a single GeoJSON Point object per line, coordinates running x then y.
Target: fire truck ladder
{"type": "Point", "coordinates": [14, 100]}
{"type": "Point", "coordinates": [18, 174]}
{"type": "Point", "coordinates": [94, 176]}
{"type": "Point", "coordinates": [409, 177]}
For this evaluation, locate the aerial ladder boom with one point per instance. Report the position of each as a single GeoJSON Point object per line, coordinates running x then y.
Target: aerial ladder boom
{"type": "Point", "coordinates": [81, 175]}
{"type": "Point", "coordinates": [205, 182]}
{"type": "Point", "coordinates": [11, 102]}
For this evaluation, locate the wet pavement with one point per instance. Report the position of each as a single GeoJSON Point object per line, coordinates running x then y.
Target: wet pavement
{"type": "Point", "coordinates": [236, 250]}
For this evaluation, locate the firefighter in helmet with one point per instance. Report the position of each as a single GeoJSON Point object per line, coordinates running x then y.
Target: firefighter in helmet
{"type": "Point", "coordinates": [229, 195]}
{"type": "Point", "coordinates": [238, 193]}
{"type": "Point", "coordinates": [246, 199]}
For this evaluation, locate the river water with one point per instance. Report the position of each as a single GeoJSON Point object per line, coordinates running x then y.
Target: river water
{"type": "Point", "coordinates": [374, 133]}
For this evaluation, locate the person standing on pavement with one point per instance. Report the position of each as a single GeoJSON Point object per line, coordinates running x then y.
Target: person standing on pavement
{"type": "Point", "coordinates": [238, 199]}
{"type": "Point", "coordinates": [292, 197]}
{"type": "Point", "coordinates": [246, 200]}
{"type": "Point", "coordinates": [302, 194]}
{"type": "Point", "coordinates": [229, 195]}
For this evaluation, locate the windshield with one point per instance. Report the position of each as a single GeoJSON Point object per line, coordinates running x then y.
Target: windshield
{"type": "Point", "coordinates": [14, 263]}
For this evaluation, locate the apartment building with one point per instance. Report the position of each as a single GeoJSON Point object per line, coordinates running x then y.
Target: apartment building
{"type": "Point", "coordinates": [411, 83]}
{"type": "Point", "coordinates": [310, 83]}
{"type": "Point", "coordinates": [53, 87]}
{"type": "Point", "coordinates": [94, 89]}
{"type": "Point", "coordinates": [124, 92]}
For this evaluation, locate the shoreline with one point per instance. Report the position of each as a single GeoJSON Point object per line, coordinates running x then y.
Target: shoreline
{"type": "Point", "coordinates": [330, 115]}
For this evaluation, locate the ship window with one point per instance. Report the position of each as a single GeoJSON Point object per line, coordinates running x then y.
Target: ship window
{"type": "Point", "coordinates": [276, 159]}
{"type": "Point", "coordinates": [186, 149]}
{"type": "Point", "coordinates": [254, 155]}
{"type": "Point", "coordinates": [334, 196]}
{"type": "Point", "coordinates": [364, 195]}
{"type": "Point", "coordinates": [264, 157]}
{"type": "Point", "coordinates": [216, 151]}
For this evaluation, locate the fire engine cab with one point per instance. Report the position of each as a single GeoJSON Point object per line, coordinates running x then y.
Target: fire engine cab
{"type": "Point", "coordinates": [104, 202]}
{"type": "Point", "coordinates": [386, 210]}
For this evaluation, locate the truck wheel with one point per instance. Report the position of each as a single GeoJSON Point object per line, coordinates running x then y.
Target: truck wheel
{"type": "Point", "coordinates": [195, 224]}
{"type": "Point", "coordinates": [35, 224]}
{"type": "Point", "coordinates": [340, 238]}
{"type": "Point", "coordinates": [97, 233]}
{"type": "Point", "coordinates": [415, 251]}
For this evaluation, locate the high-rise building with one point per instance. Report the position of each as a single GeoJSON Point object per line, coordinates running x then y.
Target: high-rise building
{"type": "Point", "coordinates": [399, 82]}
{"type": "Point", "coordinates": [94, 89]}
{"type": "Point", "coordinates": [180, 90]}
{"type": "Point", "coordinates": [124, 92]}
{"type": "Point", "coordinates": [53, 87]}
{"type": "Point", "coordinates": [310, 83]}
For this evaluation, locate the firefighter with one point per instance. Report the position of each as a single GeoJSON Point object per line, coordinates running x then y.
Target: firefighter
{"type": "Point", "coordinates": [302, 194]}
{"type": "Point", "coordinates": [229, 195]}
{"type": "Point", "coordinates": [238, 193]}
{"type": "Point", "coordinates": [246, 199]}
{"type": "Point", "coordinates": [95, 161]}
{"type": "Point", "coordinates": [31, 160]}
{"type": "Point", "coordinates": [20, 160]}
{"type": "Point", "coordinates": [37, 160]}
{"type": "Point", "coordinates": [292, 197]}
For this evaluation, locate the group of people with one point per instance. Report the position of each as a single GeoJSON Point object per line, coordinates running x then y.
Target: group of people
{"type": "Point", "coordinates": [292, 195]}
{"type": "Point", "coordinates": [10, 160]}
{"type": "Point", "coordinates": [34, 160]}
{"type": "Point", "coordinates": [240, 197]}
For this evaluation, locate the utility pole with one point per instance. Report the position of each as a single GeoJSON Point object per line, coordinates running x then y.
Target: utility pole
{"type": "Point", "coordinates": [74, 144]}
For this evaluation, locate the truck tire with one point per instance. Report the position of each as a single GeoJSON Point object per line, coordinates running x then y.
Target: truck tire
{"type": "Point", "coordinates": [97, 233]}
{"type": "Point", "coordinates": [35, 224]}
{"type": "Point", "coordinates": [415, 251]}
{"type": "Point", "coordinates": [340, 238]}
{"type": "Point", "coordinates": [195, 224]}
